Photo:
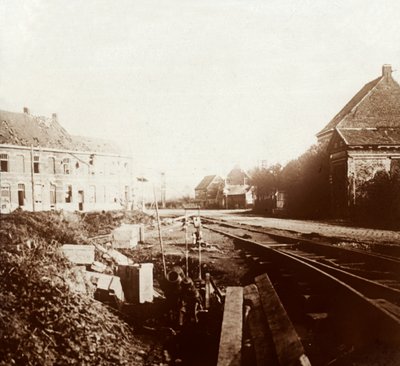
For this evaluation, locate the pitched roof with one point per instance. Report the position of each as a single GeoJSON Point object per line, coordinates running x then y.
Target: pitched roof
{"type": "Point", "coordinates": [205, 182]}
{"type": "Point", "coordinates": [236, 190]}
{"type": "Point", "coordinates": [237, 176]}
{"type": "Point", "coordinates": [24, 129]}
{"type": "Point", "coordinates": [379, 136]}
{"type": "Point", "coordinates": [375, 106]}
{"type": "Point", "coordinates": [84, 143]}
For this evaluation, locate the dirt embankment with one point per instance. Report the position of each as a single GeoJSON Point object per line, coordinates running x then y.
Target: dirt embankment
{"type": "Point", "coordinates": [42, 320]}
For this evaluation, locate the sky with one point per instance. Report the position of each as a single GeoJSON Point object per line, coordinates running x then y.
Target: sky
{"type": "Point", "coordinates": [194, 87]}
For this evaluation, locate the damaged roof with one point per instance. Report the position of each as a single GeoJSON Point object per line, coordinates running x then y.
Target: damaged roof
{"type": "Point", "coordinates": [372, 116]}
{"type": "Point", "coordinates": [24, 129]}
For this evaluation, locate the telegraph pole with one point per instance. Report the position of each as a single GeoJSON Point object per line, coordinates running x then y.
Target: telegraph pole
{"type": "Point", "coordinates": [163, 190]}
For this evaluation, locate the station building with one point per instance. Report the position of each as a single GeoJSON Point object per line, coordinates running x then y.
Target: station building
{"type": "Point", "coordinates": [42, 168]}
{"type": "Point", "coordinates": [363, 139]}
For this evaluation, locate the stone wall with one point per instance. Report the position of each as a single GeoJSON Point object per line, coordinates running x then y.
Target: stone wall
{"type": "Point", "coordinates": [363, 165]}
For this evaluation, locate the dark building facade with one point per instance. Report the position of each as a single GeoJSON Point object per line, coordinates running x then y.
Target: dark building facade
{"type": "Point", "coordinates": [363, 139]}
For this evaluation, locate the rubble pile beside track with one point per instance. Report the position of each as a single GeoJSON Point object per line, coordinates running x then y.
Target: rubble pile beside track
{"type": "Point", "coordinates": [43, 321]}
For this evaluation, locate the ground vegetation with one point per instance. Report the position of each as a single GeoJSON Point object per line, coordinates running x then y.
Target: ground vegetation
{"type": "Point", "coordinates": [43, 319]}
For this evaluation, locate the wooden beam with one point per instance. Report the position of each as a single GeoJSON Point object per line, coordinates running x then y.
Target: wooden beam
{"type": "Point", "coordinates": [230, 345]}
{"type": "Point", "coordinates": [258, 328]}
{"type": "Point", "coordinates": [288, 347]}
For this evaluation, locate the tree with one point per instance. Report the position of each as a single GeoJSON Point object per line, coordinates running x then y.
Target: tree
{"type": "Point", "coordinates": [379, 200]}
{"type": "Point", "coordinates": [306, 183]}
{"type": "Point", "coordinates": [265, 182]}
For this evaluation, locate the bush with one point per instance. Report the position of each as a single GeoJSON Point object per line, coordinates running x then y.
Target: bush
{"type": "Point", "coordinates": [306, 183]}
{"type": "Point", "coordinates": [378, 202]}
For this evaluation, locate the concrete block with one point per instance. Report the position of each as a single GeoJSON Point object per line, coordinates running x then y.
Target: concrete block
{"type": "Point", "coordinates": [118, 257]}
{"type": "Point", "coordinates": [126, 236]}
{"type": "Point", "coordinates": [79, 254]}
{"type": "Point", "coordinates": [98, 267]}
{"type": "Point", "coordinates": [107, 283]}
{"type": "Point", "coordinates": [137, 282]}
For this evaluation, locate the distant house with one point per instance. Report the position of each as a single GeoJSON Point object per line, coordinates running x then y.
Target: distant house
{"type": "Point", "coordinates": [362, 139]}
{"type": "Point", "coordinates": [43, 167]}
{"type": "Point", "coordinates": [209, 192]}
{"type": "Point", "coordinates": [237, 191]}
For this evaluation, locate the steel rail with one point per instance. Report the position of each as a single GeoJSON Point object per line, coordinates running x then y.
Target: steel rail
{"type": "Point", "coordinates": [388, 262]}
{"type": "Point", "coordinates": [369, 319]}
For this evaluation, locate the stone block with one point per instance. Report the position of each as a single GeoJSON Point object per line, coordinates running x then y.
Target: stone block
{"type": "Point", "coordinates": [126, 236]}
{"type": "Point", "coordinates": [107, 283]}
{"type": "Point", "coordinates": [137, 282]}
{"type": "Point", "coordinates": [79, 254]}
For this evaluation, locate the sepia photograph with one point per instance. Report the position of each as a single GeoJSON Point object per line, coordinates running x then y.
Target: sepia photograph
{"type": "Point", "coordinates": [200, 183]}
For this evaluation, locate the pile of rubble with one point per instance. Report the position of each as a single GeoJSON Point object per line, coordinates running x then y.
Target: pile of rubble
{"type": "Point", "coordinates": [43, 320]}
{"type": "Point", "coordinates": [62, 226]}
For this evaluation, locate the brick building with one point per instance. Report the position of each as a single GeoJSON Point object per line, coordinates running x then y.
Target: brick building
{"type": "Point", "coordinates": [42, 167]}
{"type": "Point", "coordinates": [209, 192]}
{"type": "Point", "coordinates": [238, 192]}
{"type": "Point", "coordinates": [233, 192]}
{"type": "Point", "coordinates": [362, 139]}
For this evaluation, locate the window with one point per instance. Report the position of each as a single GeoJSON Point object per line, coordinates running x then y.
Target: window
{"type": "Point", "coordinates": [5, 197]}
{"type": "Point", "coordinates": [52, 165]}
{"type": "Point", "coordinates": [68, 194]}
{"type": "Point", "coordinates": [21, 194]}
{"type": "Point", "coordinates": [20, 164]}
{"type": "Point", "coordinates": [36, 162]}
{"type": "Point", "coordinates": [65, 164]}
{"type": "Point", "coordinates": [3, 162]}
{"type": "Point", "coordinates": [53, 194]}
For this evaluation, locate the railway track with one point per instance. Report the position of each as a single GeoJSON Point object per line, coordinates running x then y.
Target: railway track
{"type": "Point", "coordinates": [379, 268]}
{"type": "Point", "coordinates": [344, 304]}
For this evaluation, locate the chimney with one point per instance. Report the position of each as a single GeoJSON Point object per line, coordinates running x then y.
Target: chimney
{"type": "Point", "coordinates": [387, 70]}
{"type": "Point", "coordinates": [26, 110]}
{"type": "Point", "coordinates": [54, 116]}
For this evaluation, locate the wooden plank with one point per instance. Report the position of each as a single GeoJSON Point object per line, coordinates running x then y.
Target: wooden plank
{"type": "Point", "coordinates": [230, 344]}
{"type": "Point", "coordinates": [288, 347]}
{"type": "Point", "coordinates": [258, 328]}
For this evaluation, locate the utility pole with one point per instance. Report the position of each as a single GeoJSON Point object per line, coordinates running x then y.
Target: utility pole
{"type": "Point", "coordinates": [163, 190]}
{"type": "Point", "coordinates": [159, 233]}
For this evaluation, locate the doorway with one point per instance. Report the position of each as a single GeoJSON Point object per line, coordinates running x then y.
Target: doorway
{"type": "Point", "coordinates": [80, 200]}
{"type": "Point", "coordinates": [21, 195]}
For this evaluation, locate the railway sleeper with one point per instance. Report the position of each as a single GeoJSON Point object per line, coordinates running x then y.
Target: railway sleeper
{"type": "Point", "coordinates": [264, 333]}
